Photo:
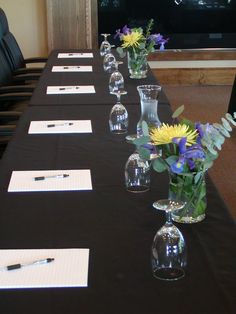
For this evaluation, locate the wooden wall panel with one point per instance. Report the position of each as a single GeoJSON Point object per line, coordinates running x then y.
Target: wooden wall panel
{"type": "Point", "coordinates": [72, 24]}
{"type": "Point", "coordinates": [200, 76]}
{"type": "Point", "coordinates": [195, 75]}
{"type": "Point", "coordinates": [191, 54]}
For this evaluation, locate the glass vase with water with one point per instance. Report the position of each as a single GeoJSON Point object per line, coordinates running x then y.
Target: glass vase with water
{"type": "Point", "coordinates": [149, 106]}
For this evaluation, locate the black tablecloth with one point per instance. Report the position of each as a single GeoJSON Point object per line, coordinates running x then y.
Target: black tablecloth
{"type": "Point", "coordinates": [117, 226]}
{"type": "Point", "coordinates": [98, 78]}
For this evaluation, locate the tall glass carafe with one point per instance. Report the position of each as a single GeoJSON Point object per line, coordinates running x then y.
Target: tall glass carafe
{"type": "Point", "coordinates": [149, 106]}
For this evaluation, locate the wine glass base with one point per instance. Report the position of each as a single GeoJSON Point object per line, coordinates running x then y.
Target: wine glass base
{"type": "Point", "coordinates": [138, 189]}
{"type": "Point", "coordinates": [131, 137]}
{"type": "Point", "coordinates": [119, 131]}
{"type": "Point", "coordinates": [169, 273]}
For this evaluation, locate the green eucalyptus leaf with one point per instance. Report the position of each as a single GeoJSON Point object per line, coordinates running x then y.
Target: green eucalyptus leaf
{"type": "Point", "coordinates": [141, 140]}
{"type": "Point", "coordinates": [230, 118]}
{"type": "Point", "coordinates": [144, 153]}
{"type": "Point", "coordinates": [221, 129]}
{"type": "Point", "coordinates": [142, 45]}
{"type": "Point", "coordinates": [121, 52]}
{"type": "Point", "coordinates": [212, 150]}
{"type": "Point", "coordinates": [226, 124]}
{"type": "Point", "coordinates": [145, 128]}
{"type": "Point", "coordinates": [208, 164]}
{"type": "Point", "coordinates": [178, 112]}
{"type": "Point", "coordinates": [171, 159]}
{"type": "Point", "coordinates": [159, 165]}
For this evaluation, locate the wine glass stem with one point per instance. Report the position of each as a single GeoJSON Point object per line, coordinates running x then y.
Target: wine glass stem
{"type": "Point", "coordinates": [118, 97]}
{"type": "Point", "coordinates": [168, 217]}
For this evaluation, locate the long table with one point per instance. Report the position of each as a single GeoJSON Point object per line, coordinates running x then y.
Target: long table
{"type": "Point", "coordinates": [98, 78]}
{"type": "Point", "coordinates": [117, 226]}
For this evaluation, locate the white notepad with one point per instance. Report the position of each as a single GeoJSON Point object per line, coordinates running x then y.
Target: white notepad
{"type": "Point", "coordinates": [72, 68]}
{"type": "Point", "coordinates": [50, 180]}
{"type": "Point", "coordinates": [78, 89]}
{"type": "Point", "coordinates": [60, 126]}
{"type": "Point", "coordinates": [75, 55]}
{"type": "Point", "coordinates": [69, 268]}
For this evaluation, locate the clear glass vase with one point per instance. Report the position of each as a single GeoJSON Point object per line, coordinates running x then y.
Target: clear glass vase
{"type": "Point", "coordinates": [137, 64]}
{"type": "Point", "coordinates": [149, 105]}
{"type": "Point", "coordinates": [191, 189]}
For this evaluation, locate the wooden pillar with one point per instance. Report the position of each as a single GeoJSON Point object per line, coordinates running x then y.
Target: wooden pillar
{"type": "Point", "coordinates": [72, 24]}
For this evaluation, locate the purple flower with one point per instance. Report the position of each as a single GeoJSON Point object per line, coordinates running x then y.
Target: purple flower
{"type": "Point", "coordinates": [125, 31]}
{"type": "Point", "coordinates": [195, 151]}
{"type": "Point", "coordinates": [187, 155]}
{"type": "Point", "coordinates": [198, 127]}
{"type": "Point", "coordinates": [177, 167]}
{"type": "Point", "coordinates": [152, 148]}
{"type": "Point", "coordinates": [157, 38]}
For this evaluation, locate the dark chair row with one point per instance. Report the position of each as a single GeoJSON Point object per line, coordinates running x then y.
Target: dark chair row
{"type": "Point", "coordinates": [17, 81]}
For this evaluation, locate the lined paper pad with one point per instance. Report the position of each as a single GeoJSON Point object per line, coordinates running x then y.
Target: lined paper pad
{"type": "Point", "coordinates": [75, 55]}
{"type": "Point", "coordinates": [73, 68]}
{"type": "Point", "coordinates": [23, 181]}
{"type": "Point", "coordinates": [69, 269]}
{"type": "Point", "coordinates": [60, 126]}
{"type": "Point", "coordinates": [84, 89]}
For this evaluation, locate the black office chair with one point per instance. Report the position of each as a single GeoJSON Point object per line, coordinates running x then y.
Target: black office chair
{"type": "Point", "coordinates": [13, 52]}
{"type": "Point", "coordinates": [12, 93]}
{"type": "Point", "coordinates": [7, 75]}
{"type": "Point", "coordinates": [232, 101]}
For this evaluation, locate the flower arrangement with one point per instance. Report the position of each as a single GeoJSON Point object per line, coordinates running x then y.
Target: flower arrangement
{"type": "Point", "coordinates": [187, 150]}
{"type": "Point", "coordinates": [138, 44]}
{"type": "Point", "coordinates": [136, 39]}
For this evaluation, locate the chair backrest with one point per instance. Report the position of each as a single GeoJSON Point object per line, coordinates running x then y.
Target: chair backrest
{"type": "Point", "coordinates": [8, 42]}
{"type": "Point", "coordinates": [5, 73]}
{"type": "Point", "coordinates": [3, 22]}
{"type": "Point", "coordinates": [232, 101]}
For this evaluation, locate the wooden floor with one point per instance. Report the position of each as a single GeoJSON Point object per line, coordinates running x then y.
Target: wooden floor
{"type": "Point", "coordinates": [209, 104]}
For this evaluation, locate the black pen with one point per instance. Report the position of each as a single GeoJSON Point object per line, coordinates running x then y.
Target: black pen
{"type": "Point", "coordinates": [59, 124]}
{"type": "Point", "coordinates": [76, 53]}
{"type": "Point", "coordinates": [72, 67]}
{"type": "Point", "coordinates": [66, 88]}
{"type": "Point", "coordinates": [58, 176]}
{"type": "Point", "coordinates": [38, 262]}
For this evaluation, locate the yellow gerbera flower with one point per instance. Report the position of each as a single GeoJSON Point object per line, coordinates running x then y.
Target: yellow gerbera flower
{"type": "Point", "coordinates": [166, 133]}
{"type": "Point", "coordinates": [132, 39]}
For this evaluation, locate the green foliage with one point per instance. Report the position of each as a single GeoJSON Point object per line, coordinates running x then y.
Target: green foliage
{"type": "Point", "coordinates": [144, 153]}
{"type": "Point", "coordinates": [213, 138]}
{"type": "Point", "coordinates": [145, 128]}
{"type": "Point", "coordinates": [159, 165]}
{"type": "Point", "coordinates": [121, 52]}
{"type": "Point", "coordinates": [141, 140]}
{"type": "Point", "coordinates": [149, 28]}
{"type": "Point", "coordinates": [178, 112]}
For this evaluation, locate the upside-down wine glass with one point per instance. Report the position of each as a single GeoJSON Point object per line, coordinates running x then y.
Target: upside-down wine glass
{"type": "Point", "coordinates": [118, 119]}
{"type": "Point", "coordinates": [168, 253]}
{"type": "Point", "coordinates": [105, 46]}
{"type": "Point", "coordinates": [116, 81]}
{"type": "Point", "coordinates": [109, 63]}
{"type": "Point", "coordinates": [137, 174]}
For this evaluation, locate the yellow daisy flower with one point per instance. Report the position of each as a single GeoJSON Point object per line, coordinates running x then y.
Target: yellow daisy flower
{"type": "Point", "coordinates": [166, 133]}
{"type": "Point", "coordinates": [132, 40]}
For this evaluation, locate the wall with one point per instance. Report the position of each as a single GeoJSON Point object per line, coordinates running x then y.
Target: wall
{"type": "Point", "coordinates": [28, 22]}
